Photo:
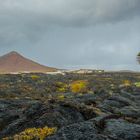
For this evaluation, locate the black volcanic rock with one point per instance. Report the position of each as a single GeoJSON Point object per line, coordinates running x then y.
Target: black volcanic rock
{"type": "Point", "coordinates": [103, 115]}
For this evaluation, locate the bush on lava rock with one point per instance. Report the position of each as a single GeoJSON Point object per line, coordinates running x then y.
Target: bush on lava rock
{"type": "Point", "coordinates": [33, 133]}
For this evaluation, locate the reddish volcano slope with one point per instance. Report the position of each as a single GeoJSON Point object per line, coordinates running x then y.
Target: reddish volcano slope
{"type": "Point", "coordinates": [14, 62]}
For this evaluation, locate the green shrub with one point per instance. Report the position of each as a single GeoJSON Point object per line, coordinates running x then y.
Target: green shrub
{"type": "Point", "coordinates": [33, 134]}
{"type": "Point", "coordinates": [35, 77]}
{"type": "Point", "coordinates": [61, 87]}
{"type": "Point", "coordinates": [80, 86]}
{"type": "Point", "coordinates": [137, 84]}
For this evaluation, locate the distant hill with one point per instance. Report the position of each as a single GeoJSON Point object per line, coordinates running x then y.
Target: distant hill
{"type": "Point", "coordinates": [127, 71]}
{"type": "Point", "coordinates": [13, 62]}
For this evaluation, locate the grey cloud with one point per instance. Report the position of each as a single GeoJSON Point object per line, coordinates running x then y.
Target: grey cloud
{"type": "Point", "coordinates": [70, 33]}
{"type": "Point", "coordinates": [71, 12]}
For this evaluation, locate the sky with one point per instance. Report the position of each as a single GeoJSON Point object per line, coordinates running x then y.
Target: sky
{"type": "Point", "coordinates": [73, 34]}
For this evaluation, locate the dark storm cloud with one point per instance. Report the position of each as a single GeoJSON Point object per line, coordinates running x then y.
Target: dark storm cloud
{"type": "Point", "coordinates": [29, 19]}
{"type": "Point", "coordinates": [70, 12]}
{"type": "Point", "coordinates": [70, 33]}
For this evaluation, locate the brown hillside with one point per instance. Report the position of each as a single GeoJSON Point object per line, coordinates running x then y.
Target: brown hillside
{"type": "Point", "coordinates": [14, 62]}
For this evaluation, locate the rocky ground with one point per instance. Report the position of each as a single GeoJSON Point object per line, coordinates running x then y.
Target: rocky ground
{"type": "Point", "coordinates": [107, 114]}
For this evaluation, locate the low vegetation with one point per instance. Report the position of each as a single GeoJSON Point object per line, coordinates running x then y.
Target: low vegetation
{"type": "Point", "coordinates": [33, 134]}
{"type": "Point", "coordinates": [80, 86]}
{"type": "Point", "coordinates": [127, 83]}
{"type": "Point", "coordinates": [137, 84]}
{"type": "Point", "coordinates": [61, 87]}
{"type": "Point", "coordinates": [35, 77]}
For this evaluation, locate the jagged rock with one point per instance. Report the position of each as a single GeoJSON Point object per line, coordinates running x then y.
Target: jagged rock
{"type": "Point", "coordinates": [131, 111]}
{"type": "Point", "coordinates": [122, 130]}
{"type": "Point", "coordinates": [81, 131]}
{"type": "Point", "coordinates": [104, 115]}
